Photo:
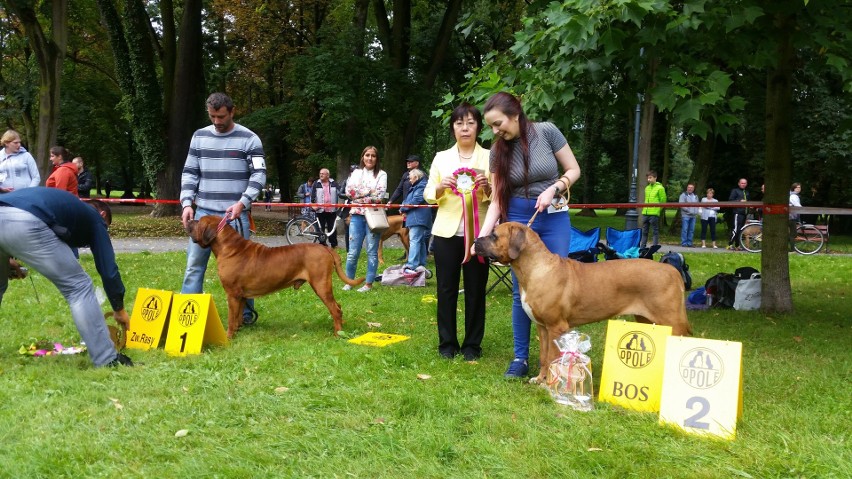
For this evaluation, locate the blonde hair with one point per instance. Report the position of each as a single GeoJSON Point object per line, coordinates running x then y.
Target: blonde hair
{"type": "Point", "coordinates": [416, 174]}
{"type": "Point", "coordinates": [9, 136]}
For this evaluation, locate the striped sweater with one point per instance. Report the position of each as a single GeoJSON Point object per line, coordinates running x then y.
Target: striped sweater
{"type": "Point", "coordinates": [222, 169]}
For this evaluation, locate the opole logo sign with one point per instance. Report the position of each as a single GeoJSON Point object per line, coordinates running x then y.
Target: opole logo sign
{"type": "Point", "coordinates": [636, 349]}
{"type": "Point", "coordinates": [151, 308]}
{"type": "Point", "coordinates": [701, 368]}
{"type": "Point", "coordinates": [188, 313]}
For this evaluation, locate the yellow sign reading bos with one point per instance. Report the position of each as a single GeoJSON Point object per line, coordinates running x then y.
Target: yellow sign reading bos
{"type": "Point", "coordinates": [632, 374]}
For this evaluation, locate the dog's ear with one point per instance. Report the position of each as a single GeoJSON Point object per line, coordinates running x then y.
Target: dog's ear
{"type": "Point", "coordinates": [207, 237]}
{"type": "Point", "coordinates": [517, 239]}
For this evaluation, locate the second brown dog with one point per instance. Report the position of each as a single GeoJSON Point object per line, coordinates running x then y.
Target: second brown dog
{"type": "Point", "coordinates": [559, 293]}
{"type": "Point", "coordinates": [249, 270]}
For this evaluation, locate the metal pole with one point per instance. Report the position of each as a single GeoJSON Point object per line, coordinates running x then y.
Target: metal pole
{"type": "Point", "coordinates": [631, 218]}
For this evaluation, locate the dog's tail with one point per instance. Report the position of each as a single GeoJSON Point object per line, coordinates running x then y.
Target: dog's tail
{"type": "Point", "coordinates": [339, 268]}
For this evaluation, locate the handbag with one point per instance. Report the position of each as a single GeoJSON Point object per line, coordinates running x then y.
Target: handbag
{"type": "Point", "coordinates": [377, 219]}
{"type": "Point", "coordinates": [747, 296]}
{"type": "Point", "coordinates": [395, 276]}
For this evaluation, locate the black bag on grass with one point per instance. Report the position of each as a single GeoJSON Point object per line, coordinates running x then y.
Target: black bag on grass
{"type": "Point", "coordinates": [679, 263]}
{"type": "Point", "coordinates": [722, 290]}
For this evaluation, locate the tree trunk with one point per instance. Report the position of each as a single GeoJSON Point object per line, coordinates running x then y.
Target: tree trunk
{"type": "Point", "coordinates": [50, 55]}
{"type": "Point", "coordinates": [775, 264]}
{"type": "Point", "coordinates": [187, 102]}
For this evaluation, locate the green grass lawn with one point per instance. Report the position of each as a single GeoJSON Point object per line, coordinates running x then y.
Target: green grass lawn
{"type": "Point", "coordinates": [288, 399]}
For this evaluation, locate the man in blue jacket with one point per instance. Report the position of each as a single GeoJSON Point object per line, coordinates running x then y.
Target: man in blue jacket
{"type": "Point", "coordinates": [40, 227]}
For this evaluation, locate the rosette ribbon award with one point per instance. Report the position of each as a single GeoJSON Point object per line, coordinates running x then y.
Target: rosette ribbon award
{"type": "Point", "coordinates": [466, 188]}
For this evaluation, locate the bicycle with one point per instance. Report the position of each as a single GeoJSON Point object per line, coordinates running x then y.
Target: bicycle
{"type": "Point", "coordinates": [307, 229]}
{"type": "Point", "coordinates": [808, 240]}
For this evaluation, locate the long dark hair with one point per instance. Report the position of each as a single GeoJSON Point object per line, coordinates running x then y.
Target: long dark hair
{"type": "Point", "coordinates": [361, 159]}
{"type": "Point", "coordinates": [502, 151]}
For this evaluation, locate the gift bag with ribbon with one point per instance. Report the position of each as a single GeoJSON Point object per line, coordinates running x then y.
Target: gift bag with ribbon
{"type": "Point", "coordinates": [377, 219]}
{"type": "Point", "coordinates": [569, 377]}
{"type": "Point", "coordinates": [396, 276]}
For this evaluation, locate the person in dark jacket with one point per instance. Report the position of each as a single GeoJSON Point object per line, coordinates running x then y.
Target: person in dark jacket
{"type": "Point", "coordinates": [85, 182]}
{"type": "Point", "coordinates": [401, 191]}
{"type": "Point", "coordinates": [417, 220]}
{"type": "Point", "coordinates": [738, 215]}
{"type": "Point", "coordinates": [40, 227]}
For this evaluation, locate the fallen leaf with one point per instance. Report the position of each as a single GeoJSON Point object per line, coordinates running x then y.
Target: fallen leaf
{"type": "Point", "coordinates": [797, 339]}
{"type": "Point", "coordinates": [182, 433]}
{"type": "Point", "coordinates": [281, 389]}
{"type": "Point", "coordinates": [374, 325]}
{"type": "Point", "coordinates": [594, 449]}
{"type": "Point", "coordinates": [424, 376]}
{"type": "Point", "coordinates": [116, 404]}
{"type": "Point", "coordinates": [379, 420]}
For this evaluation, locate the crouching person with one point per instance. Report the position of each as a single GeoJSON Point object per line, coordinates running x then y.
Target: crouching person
{"type": "Point", "coordinates": [40, 227]}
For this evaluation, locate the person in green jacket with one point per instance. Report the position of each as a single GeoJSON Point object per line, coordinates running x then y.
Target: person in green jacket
{"type": "Point", "coordinates": [654, 193]}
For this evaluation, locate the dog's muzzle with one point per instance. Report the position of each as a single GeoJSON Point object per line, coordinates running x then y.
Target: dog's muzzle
{"type": "Point", "coordinates": [482, 247]}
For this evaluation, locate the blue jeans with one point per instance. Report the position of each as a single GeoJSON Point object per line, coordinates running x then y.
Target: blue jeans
{"type": "Point", "coordinates": [652, 223]}
{"type": "Point", "coordinates": [418, 243]}
{"type": "Point", "coordinates": [687, 230]}
{"type": "Point", "coordinates": [197, 257]}
{"type": "Point", "coordinates": [358, 230]}
{"type": "Point", "coordinates": [29, 239]}
{"type": "Point", "coordinates": [555, 231]}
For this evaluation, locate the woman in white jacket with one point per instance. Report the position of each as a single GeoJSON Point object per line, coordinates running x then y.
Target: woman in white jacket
{"type": "Point", "coordinates": [366, 185]}
{"type": "Point", "coordinates": [17, 167]}
{"type": "Point", "coordinates": [708, 218]}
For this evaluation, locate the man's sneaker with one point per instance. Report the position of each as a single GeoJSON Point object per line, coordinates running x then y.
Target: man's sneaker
{"type": "Point", "coordinates": [518, 369]}
{"type": "Point", "coordinates": [365, 288]}
{"type": "Point", "coordinates": [120, 359]}
{"type": "Point", "coordinates": [408, 271]}
{"type": "Point", "coordinates": [346, 287]}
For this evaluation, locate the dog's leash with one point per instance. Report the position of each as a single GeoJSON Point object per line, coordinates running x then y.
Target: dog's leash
{"type": "Point", "coordinates": [558, 204]}
{"type": "Point", "coordinates": [225, 220]}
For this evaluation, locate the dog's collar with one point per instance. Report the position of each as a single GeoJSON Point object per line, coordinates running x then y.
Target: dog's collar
{"type": "Point", "coordinates": [225, 220]}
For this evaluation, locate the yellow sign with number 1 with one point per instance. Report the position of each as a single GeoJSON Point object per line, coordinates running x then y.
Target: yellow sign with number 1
{"type": "Point", "coordinates": [194, 321]}
{"type": "Point", "coordinates": [703, 386]}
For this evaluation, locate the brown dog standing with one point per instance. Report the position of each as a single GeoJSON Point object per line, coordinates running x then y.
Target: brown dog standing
{"type": "Point", "coordinates": [248, 269]}
{"type": "Point", "coordinates": [559, 293]}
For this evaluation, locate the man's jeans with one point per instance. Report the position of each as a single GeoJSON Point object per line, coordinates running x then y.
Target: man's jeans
{"type": "Point", "coordinates": [687, 230]}
{"type": "Point", "coordinates": [197, 257]}
{"type": "Point", "coordinates": [28, 238]}
{"type": "Point", "coordinates": [358, 230]}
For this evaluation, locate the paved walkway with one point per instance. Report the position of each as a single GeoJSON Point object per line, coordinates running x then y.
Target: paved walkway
{"type": "Point", "coordinates": [158, 245]}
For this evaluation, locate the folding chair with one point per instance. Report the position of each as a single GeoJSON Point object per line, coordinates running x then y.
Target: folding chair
{"type": "Point", "coordinates": [502, 273]}
{"type": "Point", "coordinates": [584, 245]}
{"type": "Point", "coordinates": [619, 243]}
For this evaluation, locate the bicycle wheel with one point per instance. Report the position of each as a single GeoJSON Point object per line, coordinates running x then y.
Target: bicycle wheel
{"type": "Point", "coordinates": [751, 237]}
{"type": "Point", "coordinates": [301, 230]}
{"type": "Point", "coordinates": [809, 240]}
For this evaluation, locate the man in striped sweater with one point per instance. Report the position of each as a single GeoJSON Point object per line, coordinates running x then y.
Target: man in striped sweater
{"type": "Point", "coordinates": [224, 172]}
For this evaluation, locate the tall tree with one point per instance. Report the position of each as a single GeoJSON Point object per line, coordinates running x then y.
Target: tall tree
{"type": "Point", "coordinates": [49, 44]}
{"type": "Point", "coordinates": [584, 42]}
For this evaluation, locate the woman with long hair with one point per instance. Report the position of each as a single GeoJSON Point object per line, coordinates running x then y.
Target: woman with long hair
{"type": "Point", "coordinates": [526, 158]}
{"type": "Point", "coordinates": [366, 185]}
{"type": "Point", "coordinates": [458, 183]}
